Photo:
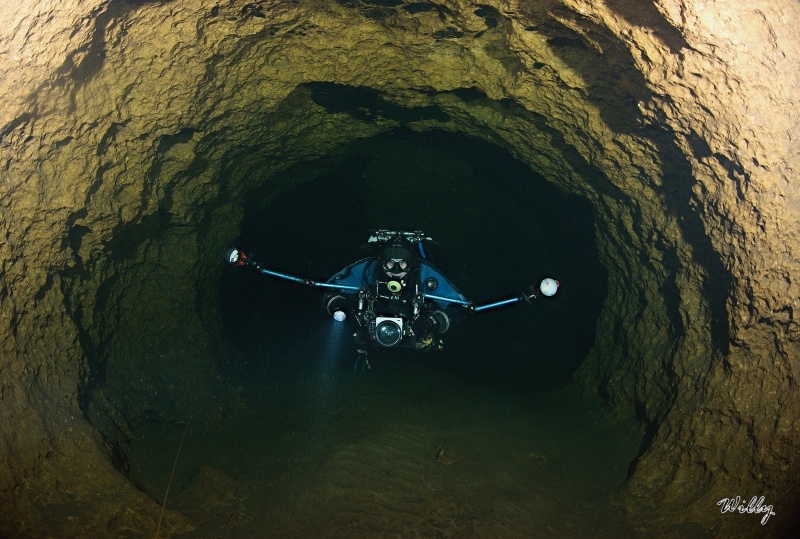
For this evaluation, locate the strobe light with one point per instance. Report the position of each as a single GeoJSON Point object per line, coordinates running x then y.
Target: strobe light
{"type": "Point", "coordinates": [235, 257]}
{"type": "Point", "coordinates": [549, 286]}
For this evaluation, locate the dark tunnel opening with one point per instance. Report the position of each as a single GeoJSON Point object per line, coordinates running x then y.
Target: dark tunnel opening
{"type": "Point", "coordinates": [285, 389]}
{"type": "Point", "coordinates": [302, 433]}
{"type": "Point", "coordinates": [502, 227]}
{"type": "Point", "coordinates": [281, 382]}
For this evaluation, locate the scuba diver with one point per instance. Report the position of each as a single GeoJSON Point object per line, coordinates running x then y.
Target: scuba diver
{"type": "Point", "coordinates": [393, 306]}
{"type": "Point", "coordinates": [397, 298]}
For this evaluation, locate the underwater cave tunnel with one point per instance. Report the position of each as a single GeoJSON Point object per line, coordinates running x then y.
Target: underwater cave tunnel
{"type": "Point", "coordinates": [141, 137]}
{"type": "Point", "coordinates": [500, 226]}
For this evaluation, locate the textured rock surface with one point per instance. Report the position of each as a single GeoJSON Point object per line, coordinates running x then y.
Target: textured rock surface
{"type": "Point", "coordinates": [147, 123]}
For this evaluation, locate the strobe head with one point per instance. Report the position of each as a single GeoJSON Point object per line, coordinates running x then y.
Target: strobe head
{"type": "Point", "coordinates": [235, 257]}
{"type": "Point", "coordinates": [388, 330]}
{"type": "Point", "coordinates": [549, 286]}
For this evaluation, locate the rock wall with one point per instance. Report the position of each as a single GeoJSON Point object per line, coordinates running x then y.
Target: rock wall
{"type": "Point", "coordinates": [735, 416]}
{"type": "Point", "coordinates": [132, 132]}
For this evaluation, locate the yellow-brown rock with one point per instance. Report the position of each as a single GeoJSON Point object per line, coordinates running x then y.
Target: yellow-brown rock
{"type": "Point", "coordinates": [146, 123]}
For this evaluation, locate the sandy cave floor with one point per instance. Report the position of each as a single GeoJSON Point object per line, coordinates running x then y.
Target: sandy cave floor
{"type": "Point", "coordinates": [332, 454]}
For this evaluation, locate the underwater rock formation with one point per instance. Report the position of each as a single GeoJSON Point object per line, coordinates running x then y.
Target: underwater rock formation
{"type": "Point", "coordinates": [132, 131]}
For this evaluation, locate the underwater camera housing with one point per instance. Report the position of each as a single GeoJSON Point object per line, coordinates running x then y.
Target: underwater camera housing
{"type": "Point", "coordinates": [388, 330]}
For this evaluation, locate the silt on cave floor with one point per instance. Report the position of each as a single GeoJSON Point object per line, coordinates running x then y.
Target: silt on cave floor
{"type": "Point", "coordinates": [345, 455]}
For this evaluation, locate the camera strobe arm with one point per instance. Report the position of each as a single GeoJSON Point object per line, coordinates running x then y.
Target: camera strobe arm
{"type": "Point", "coordinates": [239, 258]}
{"type": "Point", "coordinates": [503, 302]}
{"type": "Point", "coordinates": [548, 287]}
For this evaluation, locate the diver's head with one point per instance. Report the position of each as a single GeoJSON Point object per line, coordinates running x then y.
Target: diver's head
{"type": "Point", "coordinates": [397, 260]}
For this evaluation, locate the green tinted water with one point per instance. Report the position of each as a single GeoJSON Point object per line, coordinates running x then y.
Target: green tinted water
{"type": "Point", "coordinates": [302, 447]}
